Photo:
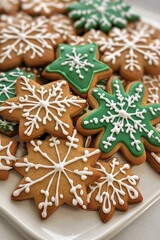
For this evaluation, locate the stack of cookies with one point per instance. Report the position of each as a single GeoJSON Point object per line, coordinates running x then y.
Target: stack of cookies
{"type": "Point", "coordinates": [79, 83]}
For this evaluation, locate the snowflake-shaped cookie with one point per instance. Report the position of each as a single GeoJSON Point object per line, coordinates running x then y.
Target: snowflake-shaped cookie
{"type": "Point", "coordinates": [114, 190]}
{"type": "Point", "coordinates": [154, 160]}
{"type": "Point", "coordinates": [29, 41]}
{"type": "Point", "coordinates": [56, 171]}
{"type": "Point", "coordinates": [124, 121]}
{"type": "Point", "coordinates": [79, 65]}
{"type": "Point", "coordinates": [152, 83]}
{"type": "Point", "coordinates": [40, 109]}
{"type": "Point", "coordinates": [101, 14]}
{"type": "Point", "coordinates": [8, 148]}
{"type": "Point", "coordinates": [9, 6]}
{"type": "Point", "coordinates": [132, 52]}
{"type": "Point", "coordinates": [44, 7]}
{"type": "Point", "coordinates": [62, 25]}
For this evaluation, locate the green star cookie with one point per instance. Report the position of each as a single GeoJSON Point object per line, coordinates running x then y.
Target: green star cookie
{"type": "Point", "coordinates": [124, 121]}
{"type": "Point", "coordinates": [79, 66]}
{"type": "Point", "coordinates": [101, 14]}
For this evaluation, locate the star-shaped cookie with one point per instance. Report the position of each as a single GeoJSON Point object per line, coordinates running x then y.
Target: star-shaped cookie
{"type": "Point", "coordinates": [116, 187]}
{"type": "Point", "coordinates": [79, 65]}
{"type": "Point", "coordinates": [8, 148]}
{"type": "Point", "coordinates": [56, 171]}
{"type": "Point", "coordinates": [123, 120]}
{"type": "Point", "coordinates": [39, 109]}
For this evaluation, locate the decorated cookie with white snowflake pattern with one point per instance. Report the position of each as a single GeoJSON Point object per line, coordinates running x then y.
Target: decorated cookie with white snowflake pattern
{"type": "Point", "coordinates": [56, 171]}
{"type": "Point", "coordinates": [93, 36]}
{"type": "Point", "coordinates": [62, 25]}
{"type": "Point", "coordinates": [39, 109]}
{"type": "Point", "coordinates": [8, 148]}
{"type": "Point", "coordinates": [101, 14]}
{"type": "Point", "coordinates": [116, 188]}
{"type": "Point", "coordinates": [131, 52]}
{"type": "Point", "coordinates": [28, 41]}
{"type": "Point", "coordinates": [154, 160]}
{"type": "Point", "coordinates": [10, 19]}
{"type": "Point", "coordinates": [80, 66]}
{"type": "Point", "coordinates": [44, 7]}
{"type": "Point", "coordinates": [152, 83]}
{"type": "Point", "coordinates": [123, 120]}
{"type": "Point", "coordinates": [9, 6]}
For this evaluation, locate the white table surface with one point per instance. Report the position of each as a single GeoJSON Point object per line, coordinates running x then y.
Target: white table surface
{"type": "Point", "coordinates": [146, 227]}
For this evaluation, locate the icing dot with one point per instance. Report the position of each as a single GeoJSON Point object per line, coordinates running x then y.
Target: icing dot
{"type": "Point", "coordinates": [59, 167]}
{"type": "Point", "coordinates": [123, 114]}
{"type": "Point", "coordinates": [110, 178]}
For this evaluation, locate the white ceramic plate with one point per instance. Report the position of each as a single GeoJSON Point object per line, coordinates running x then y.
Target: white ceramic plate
{"type": "Point", "coordinates": [75, 224]}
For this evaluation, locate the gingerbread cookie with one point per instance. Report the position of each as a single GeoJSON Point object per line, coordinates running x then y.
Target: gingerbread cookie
{"type": "Point", "coordinates": [152, 83]}
{"type": "Point", "coordinates": [8, 148]}
{"type": "Point", "coordinates": [41, 109]}
{"type": "Point", "coordinates": [27, 41]}
{"type": "Point", "coordinates": [101, 14]}
{"type": "Point", "coordinates": [154, 160]}
{"type": "Point", "coordinates": [9, 6]}
{"type": "Point", "coordinates": [56, 171]}
{"type": "Point", "coordinates": [76, 40]}
{"type": "Point", "coordinates": [116, 188]}
{"type": "Point", "coordinates": [131, 52]}
{"type": "Point", "coordinates": [158, 127]}
{"type": "Point", "coordinates": [44, 7]}
{"type": "Point", "coordinates": [63, 26]}
{"type": "Point", "coordinates": [10, 19]}
{"type": "Point", "coordinates": [93, 36]}
{"type": "Point", "coordinates": [79, 65]}
{"type": "Point", "coordinates": [123, 120]}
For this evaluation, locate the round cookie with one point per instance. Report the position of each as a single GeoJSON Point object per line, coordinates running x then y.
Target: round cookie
{"type": "Point", "coordinates": [123, 121]}
{"type": "Point", "coordinates": [114, 190]}
{"type": "Point", "coordinates": [80, 66]}
{"type": "Point", "coordinates": [56, 171]}
{"type": "Point", "coordinates": [39, 109]}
